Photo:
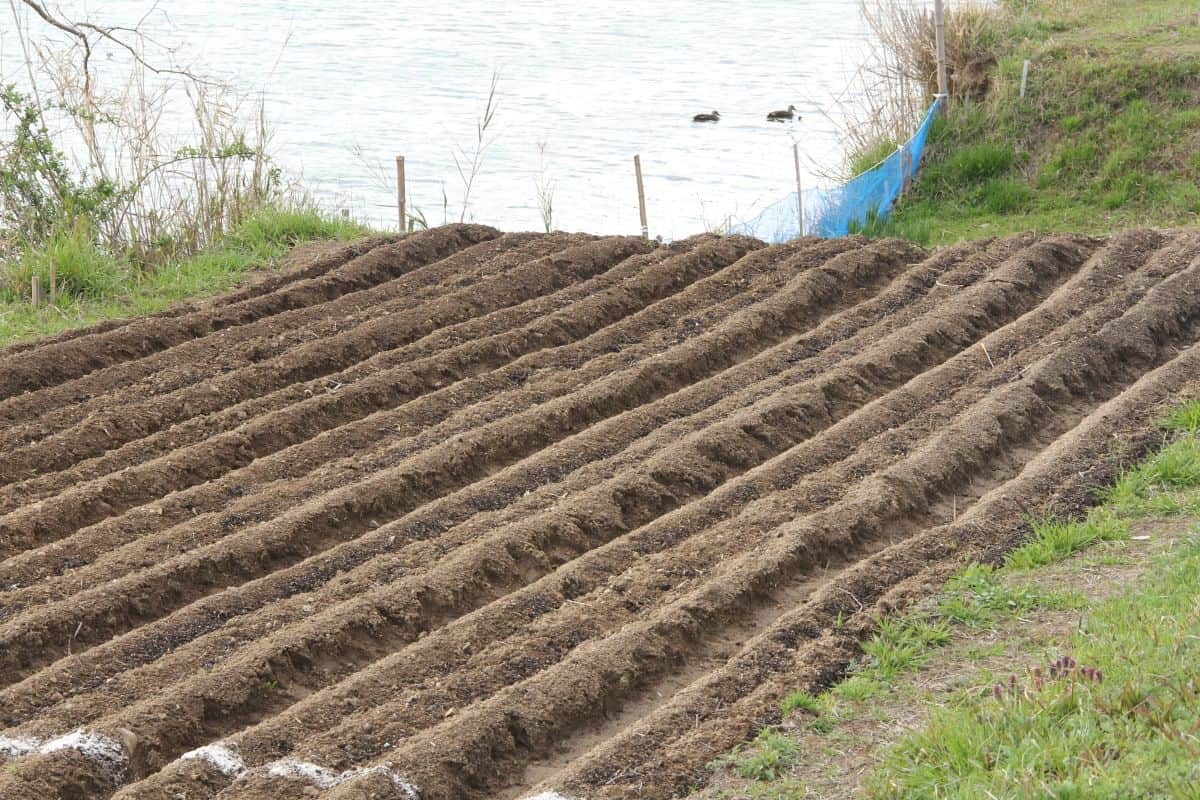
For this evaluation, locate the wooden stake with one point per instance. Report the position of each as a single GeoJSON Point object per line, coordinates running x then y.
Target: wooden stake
{"type": "Point", "coordinates": [799, 189]}
{"type": "Point", "coordinates": [1024, 76]}
{"type": "Point", "coordinates": [400, 194]}
{"type": "Point", "coordinates": [53, 282]}
{"type": "Point", "coordinates": [345, 213]}
{"type": "Point", "coordinates": [36, 291]}
{"type": "Point", "coordinates": [939, 19]}
{"type": "Point", "coordinates": [637, 168]}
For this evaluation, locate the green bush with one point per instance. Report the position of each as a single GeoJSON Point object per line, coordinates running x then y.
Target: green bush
{"type": "Point", "coordinates": [82, 268]}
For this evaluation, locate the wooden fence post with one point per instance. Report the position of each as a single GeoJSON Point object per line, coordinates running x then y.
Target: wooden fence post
{"type": "Point", "coordinates": [1024, 76]}
{"type": "Point", "coordinates": [400, 194]}
{"type": "Point", "coordinates": [53, 282]}
{"type": "Point", "coordinates": [637, 168]}
{"type": "Point", "coordinates": [939, 23]}
{"type": "Point", "coordinates": [35, 291]}
{"type": "Point", "coordinates": [799, 189]}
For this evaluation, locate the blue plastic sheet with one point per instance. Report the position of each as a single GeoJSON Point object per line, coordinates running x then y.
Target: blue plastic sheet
{"type": "Point", "coordinates": [831, 211]}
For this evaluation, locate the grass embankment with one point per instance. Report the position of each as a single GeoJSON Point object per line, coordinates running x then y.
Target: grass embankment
{"type": "Point", "coordinates": [96, 285]}
{"type": "Point", "coordinates": [1067, 672]}
{"type": "Point", "coordinates": [1107, 137]}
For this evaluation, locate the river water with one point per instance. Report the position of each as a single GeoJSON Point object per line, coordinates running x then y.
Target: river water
{"type": "Point", "coordinates": [583, 86]}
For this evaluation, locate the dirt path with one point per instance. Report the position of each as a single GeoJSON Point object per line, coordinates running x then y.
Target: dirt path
{"type": "Point", "coordinates": [483, 515]}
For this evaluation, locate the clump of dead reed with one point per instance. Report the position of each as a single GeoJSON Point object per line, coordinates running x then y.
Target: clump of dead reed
{"type": "Point", "coordinates": [899, 79]}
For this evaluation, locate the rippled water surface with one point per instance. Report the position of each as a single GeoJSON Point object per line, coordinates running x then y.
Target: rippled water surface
{"type": "Point", "coordinates": [583, 87]}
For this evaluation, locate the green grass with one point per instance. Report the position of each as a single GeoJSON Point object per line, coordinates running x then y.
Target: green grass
{"type": "Point", "coordinates": [800, 701]}
{"type": "Point", "coordinates": [1161, 485]}
{"type": "Point", "coordinates": [901, 645]}
{"type": "Point", "coordinates": [98, 286]}
{"type": "Point", "coordinates": [1107, 137]}
{"type": "Point", "coordinates": [865, 159]}
{"type": "Point", "coordinates": [1185, 419]}
{"type": "Point", "coordinates": [1053, 540]}
{"type": "Point", "coordinates": [1129, 732]}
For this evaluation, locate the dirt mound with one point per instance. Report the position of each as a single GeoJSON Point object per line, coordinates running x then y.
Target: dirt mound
{"type": "Point", "coordinates": [482, 515]}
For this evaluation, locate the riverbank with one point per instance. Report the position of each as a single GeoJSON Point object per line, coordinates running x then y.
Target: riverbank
{"type": "Point", "coordinates": [98, 286]}
{"type": "Point", "coordinates": [1107, 137]}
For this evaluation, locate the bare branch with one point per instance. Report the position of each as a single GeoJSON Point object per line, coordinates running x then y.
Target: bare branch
{"type": "Point", "coordinates": [79, 30]}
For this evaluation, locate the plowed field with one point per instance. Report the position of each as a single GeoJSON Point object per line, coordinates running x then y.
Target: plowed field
{"type": "Point", "coordinates": [477, 515]}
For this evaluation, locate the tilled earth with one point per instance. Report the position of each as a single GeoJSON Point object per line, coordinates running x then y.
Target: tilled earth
{"type": "Point", "coordinates": [477, 515]}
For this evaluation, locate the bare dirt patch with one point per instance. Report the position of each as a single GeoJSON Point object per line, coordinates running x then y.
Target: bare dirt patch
{"type": "Point", "coordinates": [491, 515]}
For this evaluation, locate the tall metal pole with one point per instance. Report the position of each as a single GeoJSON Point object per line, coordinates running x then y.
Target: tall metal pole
{"type": "Point", "coordinates": [939, 22]}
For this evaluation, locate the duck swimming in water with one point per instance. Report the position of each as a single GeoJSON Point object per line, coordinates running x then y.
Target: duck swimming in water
{"type": "Point", "coordinates": [713, 117]}
{"type": "Point", "coordinates": [780, 116]}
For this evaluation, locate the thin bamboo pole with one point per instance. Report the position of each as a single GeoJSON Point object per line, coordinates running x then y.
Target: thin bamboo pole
{"type": "Point", "coordinates": [637, 168]}
{"type": "Point", "coordinates": [799, 189]}
{"type": "Point", "coordinates": [939, 18]}
{"type": "Point", "coordinates": [403, 217]}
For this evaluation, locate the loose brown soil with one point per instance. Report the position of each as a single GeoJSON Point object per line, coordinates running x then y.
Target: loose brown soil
{"type": "Point", "coordinates": [475, 515]}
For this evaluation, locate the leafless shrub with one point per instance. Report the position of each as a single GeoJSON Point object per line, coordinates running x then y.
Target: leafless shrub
{"type": "Point", "coordinates": [899, 80]}
{"type": "Point", "coordinates": [468, 163]}
{"type": "Point", "coordinates": [544, 187]}
{"type": "Point", "coordinates": [907, 35]}
{"type": "Point", "coordinates": [168, 194]}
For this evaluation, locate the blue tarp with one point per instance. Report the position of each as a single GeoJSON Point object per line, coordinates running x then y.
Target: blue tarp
{"type": "Point", "coordinates": [831, 211]}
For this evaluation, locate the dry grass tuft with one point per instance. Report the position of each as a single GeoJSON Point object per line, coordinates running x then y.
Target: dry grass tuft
{"type": "Point", "coordinates": [899, 80]}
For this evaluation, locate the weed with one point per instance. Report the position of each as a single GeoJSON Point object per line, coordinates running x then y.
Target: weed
{"type": "Point", "coordinates": [1054, 540]}
{"type": "Point", "coordinates": [978, 595]}
{"type": "Point", "coordinates": [882, 227]}
{"type": "Point", "coordinates": [1160, 484]}
{"type": "Point", "coordinates": [1185, 419]}
{"type": "Point", "coordinates": [821, 725]}
{"type": "Point", "coordinates": [468, 163]}
{"type": "Point", "coordinates": [544, 186]}
{"type": "Point", "coordinates": [800, 701]}
{"type": "Point", "coordinates": [901, 644]}
{"type": "Point", "coordinates": [767, 758]}
{"type": "Point", "coordinates": [858, 687]}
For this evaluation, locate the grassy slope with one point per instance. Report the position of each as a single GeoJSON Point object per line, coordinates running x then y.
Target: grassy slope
{"type": "Point", "coordinates": [958, 699]}
{"type": "Point", "coordinates": [1108, 136]}
{"type": "Point", "coordinates": [100, 287]}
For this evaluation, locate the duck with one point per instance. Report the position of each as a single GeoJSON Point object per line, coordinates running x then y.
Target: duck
{"type": "Point", "coordinates": [779, 116]}
{"type": "Point", "coordinates": [713, 117]}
